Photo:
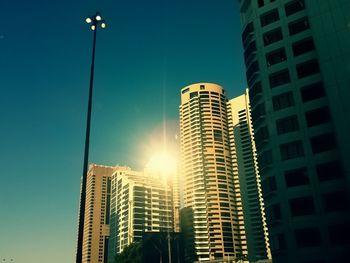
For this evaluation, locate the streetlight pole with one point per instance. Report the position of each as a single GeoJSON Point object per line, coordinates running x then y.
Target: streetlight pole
{"type": "Point", "coordinates": [169, 224]}
{"type": "Point", "coordinates": [95, 21]}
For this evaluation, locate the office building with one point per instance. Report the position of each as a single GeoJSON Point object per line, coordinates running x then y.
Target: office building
{"type": "Point", "coordinates": [96, 226]}
{"type": "Point", "coordinates": [212, 204]}
{"type": "Point", "coordinates": [297, 56]}
{"type": "Point", "coordinates": [140, 202]}
{"type": "Point", "coordinates": [243, 155]}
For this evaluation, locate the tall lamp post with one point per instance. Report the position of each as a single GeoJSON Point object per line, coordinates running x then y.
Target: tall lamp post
{"type": "Point", "coordinates": [169, 224]}
{"type": "Point", "coordinates": [94, 21]}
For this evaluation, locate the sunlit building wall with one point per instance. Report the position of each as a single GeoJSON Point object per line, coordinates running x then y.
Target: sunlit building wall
{"type": "Point", "coordinates": [96, 223]}
{"type": "Point", "coordinates": [140, 202]}
{"type": "Point", "coordinates": [297, 55]}
{"type": "Point", "coordinates": [246, 172]}
{"type": "Point", "coordinates": [211, 198]}
{"type": "Point", "coordinates": [167, 173]}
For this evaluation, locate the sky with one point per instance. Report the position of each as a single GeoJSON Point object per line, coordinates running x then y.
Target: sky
{"type": "Point", "coordinates": [148, 52]}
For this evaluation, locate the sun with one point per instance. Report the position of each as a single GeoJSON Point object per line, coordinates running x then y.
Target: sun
{"type": "Point", "coordinates": [162, 163]}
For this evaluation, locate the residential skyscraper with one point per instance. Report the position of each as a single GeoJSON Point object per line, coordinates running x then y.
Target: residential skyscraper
{"type": "Point", "coordinates": [243, 155]}
{"type": "Point", "coordinates": [212, 202]}
{"type": "Point", "coordinates": [96, 227]}
{"type": "Point", "coordinates": [297, 55]}
{"type": "Point", "coordinates": [140, 202]}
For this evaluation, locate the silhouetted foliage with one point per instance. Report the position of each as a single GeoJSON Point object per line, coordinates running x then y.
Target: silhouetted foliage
{"type": "Point", "coordinates": [153, 248]}
{"type": "Point", "coordinates": [130, 254]}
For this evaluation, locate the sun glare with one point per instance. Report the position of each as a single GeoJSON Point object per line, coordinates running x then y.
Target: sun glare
{"type": "Point", "coordinates": [162, 163]}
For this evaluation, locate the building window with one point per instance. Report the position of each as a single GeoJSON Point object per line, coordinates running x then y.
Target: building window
{"type": "Point", "coordinates": [253, 69]}
{"type": "Point", "coordinates": [298, 26]}
{"type": "Point", "coordinates": [265, 159]}
{"type": "Point", "coordinates": [261, 135]}
{"type": "Point", "coordinates": [296, 177]}
{"type": "Point", "coordinates": [185, 90]}
{"type": "Point", "coordinates": [282, 101]}
{"type": "Point", "coordinates": [276, 57]}
{"type": "Point", "coordinates": [260, 3]}
{"type": "Point", "coordinates": [251, 49]}
{"type": "Point", "coordinates": [278, 242]}
{"type": "Point", "coordinates": [308, 237]}
{"type": "Point", "coordinates": [273, 213]}
{"type": "Point", "coordinates": [193, 94]}
{"type": "Point", "coordinates": [255, 90]}
{"type": "Point", "coordinates": [217, 135]}
{"type": "Point", "coordinates": [247, 31]}
{"type": "Point", "coordinates": [273, 36]}
{"type": "Point", "coordinates": [269, 17]}
{"type": "Point", "coordinates": [294, 7]}
{"type": "Point", "coordinates": [291, 150]}
{"type": "Point", "coordinates": [339, 234]}
{"type": "Point", "coordinates": [329, 171]}
{"type": "Point", "coordinates": [302, 206]}
{"type": "Point", "coordinates": [312, 92]}
{"type": "Point", "coordinates": [317, 116]}
{"type": "Point", "coordinates": [303, 46]}
{"type": "Point", "coordinates": [308, 68]}
{"type": "Point", "coordinates": [323, 143]}
{"type": "Point", "coordinates": [269, 185]}
{"type": "Point", "coordinates": [279, 78]}
{"type": "Point", "coordinates": [258, 112]}
{"type": "Point", "coordinates": [288, 124]}
{"type": "Point", "coordinates": [335, 201]}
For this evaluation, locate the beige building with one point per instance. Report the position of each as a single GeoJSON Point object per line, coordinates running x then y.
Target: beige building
{"type": "Point", "coordinates": [140, 202]}
{"type": "Point", "coordinates": [212, 202]}
{"type": "Point", "coordinates": [244, 158]}
{"type": "Point", "coordinates": [96, 223]}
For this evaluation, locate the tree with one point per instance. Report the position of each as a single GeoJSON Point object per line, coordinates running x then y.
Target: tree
{"type": "Point", "coordinates": [131, 254]}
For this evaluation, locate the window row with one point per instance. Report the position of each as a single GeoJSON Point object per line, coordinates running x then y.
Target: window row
{"type": "Point", "coordinates": [308, 93]}
{"type": "Point", "coordinates": [261, 3]}
{"type": "Point", "coordinates": [303, 206]}
{"type": "Point", "coordinates": [289, 8]}
{"type": "Point", "coordinates": [294, 28]}
{"type": "Point", "coordinates": [313, 118]}
{"type": "Point", "coordinates": [319, 144]}
{"type": "Point", "coordinates": [295, 149]}
{"type": "Point", "coordinates": [338, 234]}
{"type": "Point", "coordinates": [327, 171]}
{"type": "Point", "coordinates": [299, 48]}
{"type": "Point", "coordinates": [304, 69]}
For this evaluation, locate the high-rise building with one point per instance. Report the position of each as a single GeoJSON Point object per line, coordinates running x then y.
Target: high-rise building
{"type": "Point", "coordinates": [212, 205]}
{"type": "Point", "coordinates": [96, 227]}
{"type": "Point", "coordinates": [243, 155]}
{"type": "Point", "coordinates": [297, 55]}
{"type": "Point", "coordinates": [140, 202]}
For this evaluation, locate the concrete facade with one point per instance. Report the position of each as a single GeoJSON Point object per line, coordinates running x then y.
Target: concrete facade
{"type": "Point", "coordinates": [96, 227]}
{"type": "Point", "coordinates": [243, 153]}
{"type": "Point", "coordinates": [297, 55]}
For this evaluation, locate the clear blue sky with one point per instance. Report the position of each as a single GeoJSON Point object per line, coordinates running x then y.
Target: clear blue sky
{"type": "Point", "coordinates": [150, 50]}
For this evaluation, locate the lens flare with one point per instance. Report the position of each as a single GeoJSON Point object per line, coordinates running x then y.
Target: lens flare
{"type": "Point", "coordinates": [163, 164]}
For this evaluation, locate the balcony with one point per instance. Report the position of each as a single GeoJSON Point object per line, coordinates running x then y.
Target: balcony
{"type": "Point", "coordinates": [247, 33]}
